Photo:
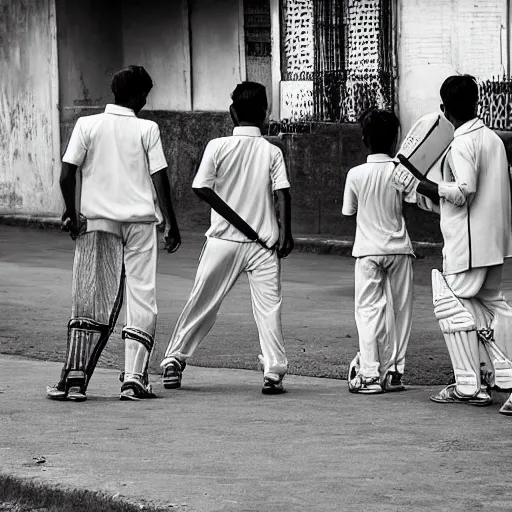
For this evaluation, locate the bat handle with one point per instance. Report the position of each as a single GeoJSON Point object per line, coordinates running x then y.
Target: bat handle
{"type": "Point", "coordinates": [410, 167]}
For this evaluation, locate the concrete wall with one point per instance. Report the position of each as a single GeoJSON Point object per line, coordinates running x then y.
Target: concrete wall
{"type": "Point", "coordinates": [439, 38]}
{"type": "Point", "coordinates": [90, 50]}
{"type": "Point", "coordinates": [29, 130]}
{"type": "Point", "coordinates": [158, 39]}
{"type": "Point", "coordinates": [317, 183]}
{"type": "Point", "coordinates": [216, 68]}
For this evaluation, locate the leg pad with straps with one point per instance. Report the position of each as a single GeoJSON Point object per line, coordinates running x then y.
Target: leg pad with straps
{"type": "Point", "coordinates": [459, 330]}
{"type": "Point", "coordinates": [138, 348]}
{"type": "Point", "coordinates": [84, 337]}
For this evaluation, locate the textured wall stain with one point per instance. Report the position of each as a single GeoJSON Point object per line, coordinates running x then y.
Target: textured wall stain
{"type": "Point", "coordinates": [26, 131]}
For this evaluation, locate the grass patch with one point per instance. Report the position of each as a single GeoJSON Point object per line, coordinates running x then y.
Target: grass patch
{"type": "Point", "coordinates": [27, 495]}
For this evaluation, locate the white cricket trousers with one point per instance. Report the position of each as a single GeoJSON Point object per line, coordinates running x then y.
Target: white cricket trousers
{"type": "Point", "coordinates": [137, 244]}
{"type": "Point", "coordinates": [220, 265]}
{"type": "Point", "coordinates": [383, 312]}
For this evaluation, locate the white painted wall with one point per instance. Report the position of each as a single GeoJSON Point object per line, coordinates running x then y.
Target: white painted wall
{"type": "Point", "coordinates": [216, 68]}
{"type": "Point", "coordinates": [439, 38]}
{"type": "Point", "coordinates": [158, 39]}
{"type": "Point", "coordinates": [29, 122]}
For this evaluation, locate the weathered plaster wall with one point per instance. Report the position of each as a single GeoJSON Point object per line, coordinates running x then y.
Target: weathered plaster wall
{"type": "Point", "coordinates": [158, 39]}
{"type": "Point", "coordinates": [90, 50]}
{"type": "Point", "coordinates": [439, 38]}
{"type": "Point", "coordinates": [29, 130]}
{"type": "Point", "coordinates": [216, 67]}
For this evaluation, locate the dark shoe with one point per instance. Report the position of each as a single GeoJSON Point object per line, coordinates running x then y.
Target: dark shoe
{"type": "Point", "coordinates": [393, 382]}
{"type": "Point", "coordinates": [273, 386]}
{"type": "Point", "coordinates": [172, 374]}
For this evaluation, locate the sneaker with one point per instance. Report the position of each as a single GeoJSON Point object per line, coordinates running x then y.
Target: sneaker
{"type": "Point", "coordinates": [506, 408]}
{"type": "Point", "coordinates": [171, 376]}
{"type": "Point", "coordinates": [75, 392]}
{"type": "Point", "coordinates": [370, 386]}
{"type": "Point", "coordinates": [134, 389]}
{"type": "Point", "coordinates": [393, 382]}
{"type": "Point", "coordinates": [272, 386]}
{"type": "Point", "coordinates": [55, 392]}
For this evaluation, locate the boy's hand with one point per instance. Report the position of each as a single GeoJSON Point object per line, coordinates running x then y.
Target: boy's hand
{"type": "Point", "coordinates": [70, 225]}
{"type": "Point", "coordinates": [172, 238]}
{"type": "Point", "coordinates": [285, 246]}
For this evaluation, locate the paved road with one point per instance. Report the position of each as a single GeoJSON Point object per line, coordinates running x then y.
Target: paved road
{"type": "Point", "coordinates": [218, 444]}
{"type": "Point", "coordinates": [321, 338]}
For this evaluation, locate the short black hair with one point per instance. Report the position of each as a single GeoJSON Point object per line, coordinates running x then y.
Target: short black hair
{"type": "Point", "coordinates": [250, 102]}
{"type": "Point", "coordinates": [459, 94]}
{"type": "Point", "coordinates": [130, 83]}
{"type": "Point", "coordinates": [380, 129]}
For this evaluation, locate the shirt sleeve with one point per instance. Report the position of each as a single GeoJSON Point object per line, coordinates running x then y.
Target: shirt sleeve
{"type": "Point", "coordinates": [155, 151]}
{"type": "Point", "coordinates": [77, 147]}
{"type": "Point", "coordinates": [349, 197]}
{"type": "Point", "coordinates": [464, 164]}
{"type": "Point", "coordinates": [278, 171]}
{"type": "Point", "coordinates": [207, 172]}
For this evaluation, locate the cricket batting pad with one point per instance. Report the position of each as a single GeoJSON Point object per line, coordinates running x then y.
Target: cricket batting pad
{"type": "Point", "coordinates": [426, 143]}
{"type": "Point", "coordinates": [459, 330]}
{"type": "Point", "coordinates": [97, 296]}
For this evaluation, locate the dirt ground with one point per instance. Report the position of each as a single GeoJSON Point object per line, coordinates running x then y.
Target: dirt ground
{"type": "Point", "coordinates": [318, 321]}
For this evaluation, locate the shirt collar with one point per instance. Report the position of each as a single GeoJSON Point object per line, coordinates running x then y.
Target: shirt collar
{"type": "Point", "coordinates": [378, 158]}
{"type": "Point", "coordinates": [468, 126]}
{"type": "Point", "coordinates": [249, 131]}
{"type": "Point", "coordinates": [117, 110]}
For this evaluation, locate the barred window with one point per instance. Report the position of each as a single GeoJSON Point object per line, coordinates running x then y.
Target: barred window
{"type": "Point", "coordinates": [337, 58]}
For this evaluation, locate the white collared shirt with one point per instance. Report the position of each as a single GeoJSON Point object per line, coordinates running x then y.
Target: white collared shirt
{"type": "Point", "coordinates": [369, 192]}
{"type": "Point", "coordinates": [478, 233]}
{"type": "Point", "coordinates": [244, 170]}
{"type": "Point", "coordinates": [118, 153]}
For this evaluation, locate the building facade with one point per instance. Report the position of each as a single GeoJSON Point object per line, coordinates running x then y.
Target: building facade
{"type": "Point", "coordinates": [322, 61]}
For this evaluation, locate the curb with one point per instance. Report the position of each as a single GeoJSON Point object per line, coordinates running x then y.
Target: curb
{"type": "Point", "coordinates": [316, 244]}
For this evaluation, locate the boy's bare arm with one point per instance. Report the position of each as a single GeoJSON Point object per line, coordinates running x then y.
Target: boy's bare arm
{"type": "Point", "coordinates": [224, 210]}
{"type": "Point", "coordinates": [71, 218]}
{"type": "Point", "coordinates": [286, 243]}
{"type": "Point", "coordinates": [172, 237]}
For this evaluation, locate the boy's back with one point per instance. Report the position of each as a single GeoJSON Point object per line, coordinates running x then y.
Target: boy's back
{"type": "Point", "coordinates": [243, 169]}
{"type": "Point", "coordinates": [119, 152]}
{"type": "Point", "coordinates": [381, 226]}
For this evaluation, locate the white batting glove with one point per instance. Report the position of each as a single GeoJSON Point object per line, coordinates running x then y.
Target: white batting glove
{"type": "Point", "coordinates": [403, 180]}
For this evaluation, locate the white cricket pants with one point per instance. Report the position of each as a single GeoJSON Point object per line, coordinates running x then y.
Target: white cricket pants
{"type": "Point", "coordinates": [220, 265]}
{"type": "Point", "coordinates": [140, 243]}
{"type": "Point", "coordinates": [383, 312]}
{"type": "Point", "coordinates": [480, 290]}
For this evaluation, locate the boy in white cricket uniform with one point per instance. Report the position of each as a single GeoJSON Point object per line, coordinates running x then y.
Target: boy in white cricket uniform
{"type": "Point", "coordinates": [476, 220]}
{"type": "Point", "coordinates": [383, 270]}
{"type": "Point", "coordinates": [121, 159]}
{"type": "Point", "coordinates": [237, 177]}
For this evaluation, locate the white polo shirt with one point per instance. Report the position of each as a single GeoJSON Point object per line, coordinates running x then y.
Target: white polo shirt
{"type": "Point", "coordinates": [244, 170]}
{"type": "Point", "coordinates": [478, 233]}
{"type": "Point", "coordinates": [118, 153]}
{"type": "Point", "coordinates": [369, 192]}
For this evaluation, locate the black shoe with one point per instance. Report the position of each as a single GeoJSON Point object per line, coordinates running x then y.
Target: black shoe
{"type": "Point", "coordinates": [172, 374]}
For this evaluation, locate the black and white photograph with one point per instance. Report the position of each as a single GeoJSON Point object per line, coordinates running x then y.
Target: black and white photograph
{"type": "Point", "coordinates": [255, 255]}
